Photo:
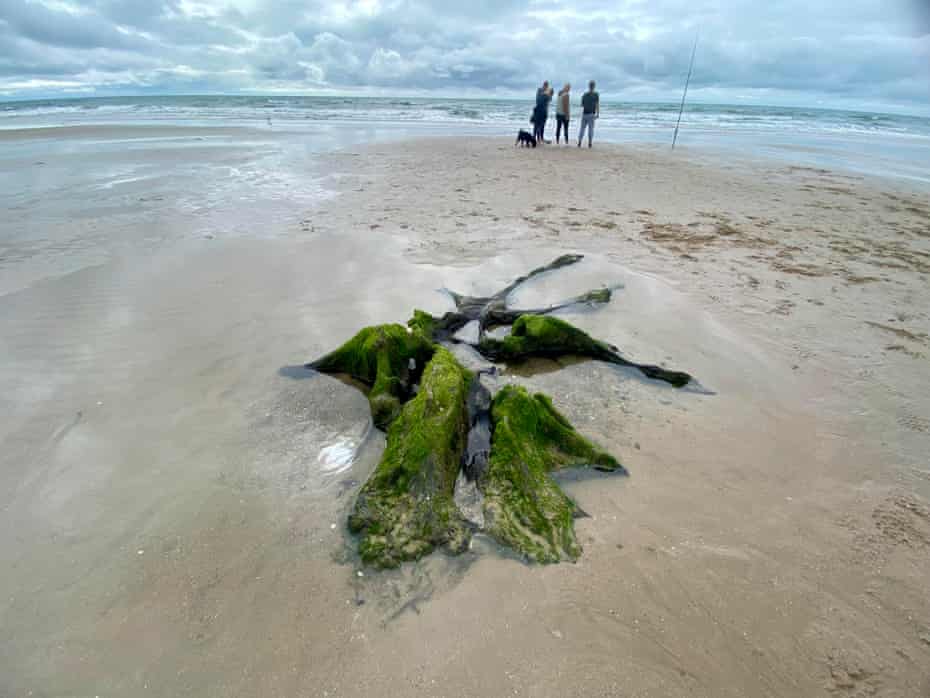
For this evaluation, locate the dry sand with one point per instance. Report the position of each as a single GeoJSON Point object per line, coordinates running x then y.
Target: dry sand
{"type": "Point", "coordinates": [773, 538]}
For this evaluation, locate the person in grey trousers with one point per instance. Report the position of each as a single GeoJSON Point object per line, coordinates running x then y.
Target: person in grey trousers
{"type": "Point", "coordinates": [591, 109]}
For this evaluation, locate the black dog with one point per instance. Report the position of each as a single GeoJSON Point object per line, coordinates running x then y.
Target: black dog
{"type": "Point", "coordinates": [525, 139]}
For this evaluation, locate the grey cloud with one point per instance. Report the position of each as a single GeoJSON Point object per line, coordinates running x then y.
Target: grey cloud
{"type": "Point", "coordinates": [35, 21]}
{"type": "Point", "coordinates": [135, 13]}
{"type": "Point", "coordinates": [336, 57]}
{"type": "Point", "coordinates": [635, 48]}
{"type": "Point", "coordinates": [921, 14]}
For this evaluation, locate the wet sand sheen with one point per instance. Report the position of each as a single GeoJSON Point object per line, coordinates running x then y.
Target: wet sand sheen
{"type": "Point", "coordinates": [168, 497]}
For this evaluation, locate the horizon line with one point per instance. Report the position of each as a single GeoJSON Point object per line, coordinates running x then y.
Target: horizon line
{"type": "Point", "coordinates": [467, 98]}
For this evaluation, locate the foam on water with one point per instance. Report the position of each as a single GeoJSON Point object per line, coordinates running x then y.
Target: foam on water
{"type": "Point", "coordinates": [492, 112]}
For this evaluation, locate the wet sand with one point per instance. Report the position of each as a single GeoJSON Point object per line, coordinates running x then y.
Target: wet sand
{"type": "Point", "coordinates": [172, 503]}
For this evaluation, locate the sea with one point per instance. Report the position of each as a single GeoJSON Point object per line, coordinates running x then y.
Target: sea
{"type": "Point", "coordinates": [887, 145]}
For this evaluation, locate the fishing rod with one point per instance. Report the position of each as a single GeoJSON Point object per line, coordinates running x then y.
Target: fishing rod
{"type": "Point", "coordinates": [688, 80]}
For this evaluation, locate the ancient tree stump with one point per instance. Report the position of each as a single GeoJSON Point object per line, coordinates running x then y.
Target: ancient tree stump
{"type": "Point", "coordinates": [441, 420]}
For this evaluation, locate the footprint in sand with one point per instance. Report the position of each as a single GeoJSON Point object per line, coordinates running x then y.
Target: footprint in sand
{"type": "Point", "coordinates": [783, 307]}
{"type": "Point", "coordinates": [915, 423]}
{"type": "Point", "coordinates": [904, 519]}
{"type": "Point", "coordinates": [849, 677]}
{"type": "Point", "coordinates": [900, 348]}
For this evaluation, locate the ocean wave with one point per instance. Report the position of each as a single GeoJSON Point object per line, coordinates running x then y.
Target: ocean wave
{"type": "Point", "coordinates": [246, 109]}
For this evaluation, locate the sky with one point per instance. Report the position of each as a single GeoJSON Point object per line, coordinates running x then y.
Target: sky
{"type": "Point", "coordinates": [869, 54]}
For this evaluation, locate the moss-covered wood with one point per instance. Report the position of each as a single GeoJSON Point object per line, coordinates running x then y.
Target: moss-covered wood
{"type": "Point", "coordinates": [406, 508]}
{"type": "Point", "coordinates": [441, 420]}
{"type": "Point", "coordinates": [547, 336]}
{"type": "Point", "coordinates": [388, 359]}
{"type": "Point", "coordinates": [523, 507]}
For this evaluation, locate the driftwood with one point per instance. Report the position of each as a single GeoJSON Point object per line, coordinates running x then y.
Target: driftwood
{"type": "Point", "coordinates": [440, 419]}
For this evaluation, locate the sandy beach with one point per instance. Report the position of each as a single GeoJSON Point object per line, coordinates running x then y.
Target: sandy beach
{"type": "Point", "coordinates": [173, 498]}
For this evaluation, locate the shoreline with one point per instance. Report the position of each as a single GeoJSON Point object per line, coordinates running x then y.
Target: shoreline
{"type": "Point", "coordinates": [891, 145]}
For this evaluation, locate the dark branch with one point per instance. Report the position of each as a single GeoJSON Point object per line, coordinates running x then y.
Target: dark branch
{"type": "Point", "coordinates": [474, 306]}
{"type": "Point", "coordinates": [563, 261]}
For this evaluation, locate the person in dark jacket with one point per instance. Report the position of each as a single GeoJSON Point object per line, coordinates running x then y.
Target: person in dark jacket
{"type": "Point", "coordinates": [541, 111]}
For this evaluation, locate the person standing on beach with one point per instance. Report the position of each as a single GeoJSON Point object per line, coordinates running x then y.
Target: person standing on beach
{"type": "Point", "coordinates": [591, 109]}
{"type": "Point", "coordinates": [541, 112]}
{"type": "Point", "coordinates": [562, 112]}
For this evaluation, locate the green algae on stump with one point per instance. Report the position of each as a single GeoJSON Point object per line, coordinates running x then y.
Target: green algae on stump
{"type": "Point", "coordinates": [406, 509]}
{"type": "Point", "coordinates": [523, 507]}
{"type": "Point", "coordinates": [437, 329]}
{"type": "Point", "coordinates": [543, 335]}
{"type": "Point", "coordinates": [547, 336]}
{"type": "Point", "coordinates": [387, 359]}
{"type": "Point", "coordinates": [423, 322]}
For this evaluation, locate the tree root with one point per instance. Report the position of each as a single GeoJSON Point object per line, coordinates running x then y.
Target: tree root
{"type": "Point", "coordinates": [523, 507]}
{"type": "Point", "coordinates": [406, 509]}
{"type": "Point", "coordinates": [388, 360]}
{"type": "Point", "coordinates": [492, 311]}
{"type": "Point", "coordinates": [543, 336]}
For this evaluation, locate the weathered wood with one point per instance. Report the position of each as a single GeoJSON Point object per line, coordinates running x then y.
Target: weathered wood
{"type": "Point", "coordinates": [478, 446]}
{"type": "Point", "coordinates": [492, 311]}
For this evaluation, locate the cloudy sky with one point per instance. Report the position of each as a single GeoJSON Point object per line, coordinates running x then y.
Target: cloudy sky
{"type": "Point", "coordinates": [848, 53]}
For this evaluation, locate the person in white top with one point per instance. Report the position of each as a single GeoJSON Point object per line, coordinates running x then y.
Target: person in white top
{"type": "Point", "coordinates": [563, 112]}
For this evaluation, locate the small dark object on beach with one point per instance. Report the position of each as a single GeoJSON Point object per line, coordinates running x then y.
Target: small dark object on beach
{"type": "Point", "coordinates": [525, 139]}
